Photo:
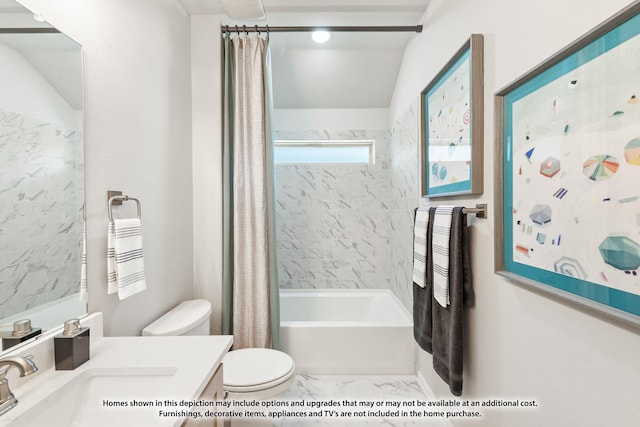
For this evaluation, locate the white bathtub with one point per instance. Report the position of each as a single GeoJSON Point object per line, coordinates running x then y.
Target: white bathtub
{"type": "Point", "coordinates": [346, 332]}
{"type": "Point", "coordinates": [52, 314]}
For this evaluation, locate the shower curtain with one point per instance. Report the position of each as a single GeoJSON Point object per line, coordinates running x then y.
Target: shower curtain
{"type": "Point", "coordinates": [250, 285]}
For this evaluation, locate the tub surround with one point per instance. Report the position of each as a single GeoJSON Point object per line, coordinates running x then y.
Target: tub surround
{"type": "Point", "coordinates": [333, 219]}
{"type": "Point", "coordinates": [193, 362]}
{"type": "Point", "coordinates": [41, 168]}
{"type": "Point", "coordinates": [345, 226]}
{"type": "Point", "coordinates": [403, 175]}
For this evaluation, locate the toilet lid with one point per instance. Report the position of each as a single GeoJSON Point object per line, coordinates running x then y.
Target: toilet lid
{"type": "Point", "coordinates": [251, 369]}
{"type": "Point", "coordinates": [180, 319]}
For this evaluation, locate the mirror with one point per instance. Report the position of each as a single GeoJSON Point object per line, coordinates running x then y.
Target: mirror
{"type": "Point", "coordinates": [41, 171]}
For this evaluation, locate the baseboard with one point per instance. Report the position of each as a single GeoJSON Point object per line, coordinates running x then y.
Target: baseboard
{"type": "Point", "coordinates": [425, 386]}
{"type": "Point", "coordinates": [426, 389]}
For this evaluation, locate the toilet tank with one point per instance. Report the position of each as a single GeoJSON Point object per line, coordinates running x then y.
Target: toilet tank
{"type": "Point", "coordinates": [187, 318]}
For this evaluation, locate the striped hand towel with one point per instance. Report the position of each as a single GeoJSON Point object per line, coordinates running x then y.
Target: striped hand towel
{"type": "Point", "coordinates": [125, 262]}
{"type": "Point", "coordinates": [83, 266]}
{"type": "Point", "coordinates": [440, 247]}
{"type": "Point", "coordinates": [112, 280]}
{"type": "Point", "coordinates": [420, 246]}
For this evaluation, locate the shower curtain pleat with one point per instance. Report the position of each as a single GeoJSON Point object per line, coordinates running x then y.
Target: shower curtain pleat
{"type": "Point", "coordinates": [227, 188]}
{"type": "Point", "coordinates": [250, 286]}
{"type": "Point", "coordinates": [271, 203]}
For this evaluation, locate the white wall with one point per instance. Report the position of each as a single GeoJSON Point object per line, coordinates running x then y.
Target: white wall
{"type": "Point", "coordinates": [330, 118]}
{"type": "Point", "coordinates": [206, 75]}
{"type": "Point", "coordinates": [138, 140]}
{"type": "Point", "coordinates": [25, 91]}
{"type": "Point", "coordinates": [582, 369]}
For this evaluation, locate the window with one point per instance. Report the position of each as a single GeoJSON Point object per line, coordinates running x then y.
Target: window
{"type": "Point", "coordinates": [324, 151]}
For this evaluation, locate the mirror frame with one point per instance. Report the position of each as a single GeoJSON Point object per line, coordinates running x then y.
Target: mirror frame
{"type": "Point", "coordinates": [79, 307]}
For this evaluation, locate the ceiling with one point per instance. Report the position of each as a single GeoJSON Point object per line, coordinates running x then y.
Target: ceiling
{"type": "Point", "coordinates": [352, 70]}
{"type": "Point", "coordinates": [200, 7]}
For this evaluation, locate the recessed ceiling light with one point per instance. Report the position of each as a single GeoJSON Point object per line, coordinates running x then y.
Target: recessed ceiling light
{"type": "Point", "coordinates": [321, 36]}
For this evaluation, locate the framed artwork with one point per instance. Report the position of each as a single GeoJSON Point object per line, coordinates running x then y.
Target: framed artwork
{"type": "Point", "coordinates": [451, 125]}
{"type": "Point", "coordinates": [568, 172]}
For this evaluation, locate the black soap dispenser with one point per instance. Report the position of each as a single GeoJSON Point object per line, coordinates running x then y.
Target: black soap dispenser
{"type": "Point", "coordinates": [22, 331]}
{"type": "Point", "coordinates": [71, 347]}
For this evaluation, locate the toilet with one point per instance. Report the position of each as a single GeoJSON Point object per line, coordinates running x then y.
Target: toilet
{"type": "Point", "coordinates": [250, 373]}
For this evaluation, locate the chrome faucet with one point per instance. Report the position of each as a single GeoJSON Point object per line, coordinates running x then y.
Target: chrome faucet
{"type": "Point", "coordinates": [26, 367]}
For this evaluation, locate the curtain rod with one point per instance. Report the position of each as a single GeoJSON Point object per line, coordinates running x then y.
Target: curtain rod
{"type": "Point", "coordinates": [350, 29]}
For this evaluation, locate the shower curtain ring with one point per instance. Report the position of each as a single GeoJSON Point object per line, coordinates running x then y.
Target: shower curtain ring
{"type": "Point", "coordinates": [244, 27]}
{"type": "Point", "coordinates": [237, 31]}
{"type": "Point", "coordinates": [268, 29]}
{"type": "Point", "coordinates": [257, 30]}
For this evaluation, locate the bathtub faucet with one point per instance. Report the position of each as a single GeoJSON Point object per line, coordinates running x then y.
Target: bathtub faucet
{"type": "Point", "coordinates": [26, 367]}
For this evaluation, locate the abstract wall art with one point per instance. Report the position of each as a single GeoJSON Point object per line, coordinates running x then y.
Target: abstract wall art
{"type": "Point", "coordinates": [568, 157]}
{"type": "Point", "coordinates": [451, 125]}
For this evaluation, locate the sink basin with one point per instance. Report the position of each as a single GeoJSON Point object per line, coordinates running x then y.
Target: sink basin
{"type": "Point", "coordinates": [105, 397]}
{"type": "Point", "coordinates": [128, 381]}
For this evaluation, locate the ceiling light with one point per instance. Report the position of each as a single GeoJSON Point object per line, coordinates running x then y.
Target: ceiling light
{"type": "Point", "coordinates": [321, 36]}
{"type": "Point", "coordinates": [244, 9]}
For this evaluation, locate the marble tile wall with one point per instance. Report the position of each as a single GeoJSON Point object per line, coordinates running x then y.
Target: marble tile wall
{"type": "Point", "coordinates": [40, 212]}
{"type": "Point", "coordinates": [351, 226]}
{"type": "Point", "coordinates": [333, 219]}
{"type": "Point", "coordinates": [403, 173]}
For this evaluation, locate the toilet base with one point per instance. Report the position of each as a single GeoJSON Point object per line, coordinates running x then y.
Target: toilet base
{"type": "Point", "coordinates": [260, 394]}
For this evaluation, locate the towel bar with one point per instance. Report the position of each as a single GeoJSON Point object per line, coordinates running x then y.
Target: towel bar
{"type": "Point", "coordinates": [121, 198]}
{"type": "Point", "coordinates": [480, 211]}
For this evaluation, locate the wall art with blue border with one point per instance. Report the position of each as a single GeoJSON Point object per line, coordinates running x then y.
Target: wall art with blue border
{"type": "Point", "coordinates": [570, 160]}
{"type": "Point", "coordinates": [452, 119]}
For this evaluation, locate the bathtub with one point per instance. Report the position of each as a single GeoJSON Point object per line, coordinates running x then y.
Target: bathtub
{"type": "Point", "coordinates": [52, 314]}
{"type": "Point", "coordinates": [346, 331]}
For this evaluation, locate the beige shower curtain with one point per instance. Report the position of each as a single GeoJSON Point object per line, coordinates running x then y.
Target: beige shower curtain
{"type": "Point", "coordinates": [250, 289]}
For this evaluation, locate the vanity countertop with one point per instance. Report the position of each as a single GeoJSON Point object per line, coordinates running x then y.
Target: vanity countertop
{"type": "Point", "coordinates": [177, 369]}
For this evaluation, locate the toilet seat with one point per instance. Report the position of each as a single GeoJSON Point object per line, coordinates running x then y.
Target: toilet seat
{"type": "Point", "coordinates": [255, 369]}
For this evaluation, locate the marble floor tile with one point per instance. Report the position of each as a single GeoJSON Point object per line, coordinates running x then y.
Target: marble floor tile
{"type": "Point", "coordinates": [343, 389]}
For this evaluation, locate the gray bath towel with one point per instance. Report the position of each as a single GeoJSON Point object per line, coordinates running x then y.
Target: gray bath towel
{"type": "Point", "coordinates": [422, 296]}
{"type": "Point", "coordinates": [447, 322]}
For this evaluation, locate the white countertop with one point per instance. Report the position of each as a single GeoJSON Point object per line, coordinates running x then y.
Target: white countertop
{"type": "Point", "coordinates": [188, 362]}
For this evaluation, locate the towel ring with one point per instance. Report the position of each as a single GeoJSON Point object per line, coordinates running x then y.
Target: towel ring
{"type": "Point", "coordinates": [124, 198]}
